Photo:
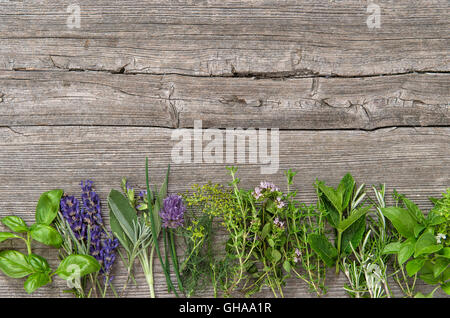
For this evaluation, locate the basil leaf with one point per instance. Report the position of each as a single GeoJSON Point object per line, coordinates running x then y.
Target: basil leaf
{"type": "Point", "coordinates": [15, 224]}
{"type": "Point", "coordinates": [413, 266]}
{"type": "Point", "coordinates": [36, 280]}
{"type": "Point", "coordinates": [7, 235]}
{"type": "Point", "coordinates": [14, 264]}
{"type": "Point", "coordinates": [445, 252]}
{"type": "Point", "coordinates": [440, 265]}
{"type": "Point", "coordinates": [413, 210]}
{"type": "Point", "coordinates": [418, 228]}
{"type": "Point", "coordinates": [48, 206]}
{"type": "Point", "coordinates": [39, 263]}
{"type": "Point", "coordinates": [426, 244]}
{"type": "Point", "coordinates": [401, 220]}
{"type": "Point", "coordinates": [46, 235]}
{"type": "Point", "coordinates": [405, 252]}
{"type": "Point", "coordinates": [74, 266]}
{"type": "Point", "coordinates": [320, 244]}
{"type": "Point", "coordinates": [446, 288]}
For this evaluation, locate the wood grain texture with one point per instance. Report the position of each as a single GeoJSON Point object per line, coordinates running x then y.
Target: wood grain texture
{"type": "Point", "coordinates": [95, 98]}
{"type": "Point", "coordinates": [93, 102]}
{"type": "Point", "coordinates": [36, 159]}
{"type": "Point", "coordinates": [226, 38]}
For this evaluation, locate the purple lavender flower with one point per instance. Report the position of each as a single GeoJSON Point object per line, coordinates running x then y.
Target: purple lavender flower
{"type": "Point", "coordinates": [70, 209]}
{"type": "Point", "coordinates": [108, 254]}
{"type": "Point", "coordinates": [88, 215]}
{"type": "Point", "coordinates": [143, 194]}
{"type": "Point", "coordinates": [91, 203]}
{"type": "Point", "coordinates": [172, 212]}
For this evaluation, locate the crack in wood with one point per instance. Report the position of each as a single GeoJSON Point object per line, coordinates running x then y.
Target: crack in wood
{"type": "Point", "coordinates": [281, 75]}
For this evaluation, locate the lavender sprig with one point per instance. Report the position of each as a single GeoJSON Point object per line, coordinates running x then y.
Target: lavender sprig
{"type": "Point", "coordinates": [86, 223]}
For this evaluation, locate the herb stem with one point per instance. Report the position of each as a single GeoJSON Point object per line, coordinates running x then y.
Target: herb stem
{"type": "Point", "coordinates": [153, 227]}
{"type": "Point", "coordinates": [175, 260]}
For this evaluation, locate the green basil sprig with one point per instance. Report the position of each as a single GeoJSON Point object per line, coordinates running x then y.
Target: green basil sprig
{"type": "Point", "coordinates": [36, 268]}
{"type": "Point", "coordinates": [418, 245]}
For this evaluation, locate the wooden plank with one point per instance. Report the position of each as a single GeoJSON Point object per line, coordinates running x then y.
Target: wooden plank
{"type": "Point", "coordinates": [36, 159]}
{"type": "Point", "coordinates": [96, 98]}
{"type": "Point", "coordinates": [225, 38]}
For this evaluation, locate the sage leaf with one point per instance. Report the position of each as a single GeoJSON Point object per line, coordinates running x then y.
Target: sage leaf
{"type": "Point", "coordinates": [36, 280]}
{"type": "Point", "coordinates": [45, 234]}
{"type": "Point", "coordinates": [326, 251]}
{"type": "Point", "coordinates": [7, 235]}
{"type": "Point", "coordinates": [77, 266]}
{"type": "Point", "coordinates": [48, 206]}
{"type": "Point", "coordinates": [123, 212]}
{"type": "Point", "coordinates": [118, 232]}
{"type": "Point", "coordinates": [14, 264]}
{"type": "Point", "coordinates": [15, 224]}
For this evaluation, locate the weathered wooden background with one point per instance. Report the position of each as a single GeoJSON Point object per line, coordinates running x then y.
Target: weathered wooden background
{"type": "Point", "coordinates": [93, 102]}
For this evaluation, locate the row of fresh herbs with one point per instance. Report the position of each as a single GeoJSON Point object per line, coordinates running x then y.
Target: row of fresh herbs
{"type": "Point", "coordinates": [269, 237]}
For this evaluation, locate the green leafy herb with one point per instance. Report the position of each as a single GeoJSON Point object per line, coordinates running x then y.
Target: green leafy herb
{"type": "Point", "coordinates": [18, 265]}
